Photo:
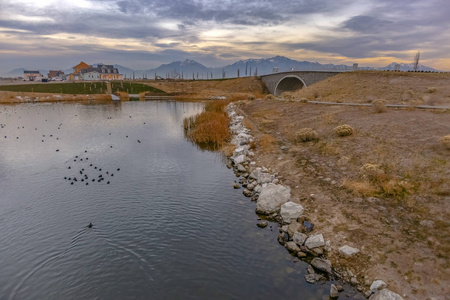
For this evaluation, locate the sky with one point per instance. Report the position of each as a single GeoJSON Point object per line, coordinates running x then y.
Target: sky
{"type": "Point", "coordinates": [142, 34]}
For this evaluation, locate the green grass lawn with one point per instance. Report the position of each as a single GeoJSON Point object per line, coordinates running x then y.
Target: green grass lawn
{"type": "Point", "coordinates": [82, 88]}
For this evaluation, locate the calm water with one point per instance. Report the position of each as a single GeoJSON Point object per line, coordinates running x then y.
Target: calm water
{"type": "Point", "coordinates": [169, 224]}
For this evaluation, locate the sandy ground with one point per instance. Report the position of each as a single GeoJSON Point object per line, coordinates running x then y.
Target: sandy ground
{"type": "Point", "coordinates": [398, 217]}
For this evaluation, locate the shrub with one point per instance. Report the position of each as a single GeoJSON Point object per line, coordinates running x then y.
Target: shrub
{"type": "Point", "coordinates": [306, 135]}
{"type": "Point", "coordinates": [445, 141]}
{"type": "Point", "coordinates": [344, 130]}
{"type": "Point", "coordinates": [303, 100]}
{"type": "Point", "coordinates": [287, 95]}
{"type": "Point", "coordinates": [379, 105]}
{"type": "Point", "coordinates": [251, 97]}
{"type": "Point", "coordinates": [431, 90]}
{"type": "Point", "coordinates": [371, 171]}
{"type": "Point", "coordinates": [269, 97]}
{"type": "Point", "coordinates": [408, 95]}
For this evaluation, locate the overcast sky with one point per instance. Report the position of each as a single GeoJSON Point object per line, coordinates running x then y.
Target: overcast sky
{"type": "Point", "coordinates": [142, 34]}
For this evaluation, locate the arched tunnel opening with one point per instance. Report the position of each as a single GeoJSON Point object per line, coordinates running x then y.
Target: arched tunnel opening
{"type": "Point", "coordinates": [288, 84]}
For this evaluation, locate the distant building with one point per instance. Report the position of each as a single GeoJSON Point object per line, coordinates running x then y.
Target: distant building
{"type": "Point", "coordinates": [76, 75]}
{"type": "Point", "coordinates": [90, 74]}
{"type": "Point", "coordinates": [32, 75]}
{"type": "Point", "coordinates": [83, 71]}
{"type": "Point", "coordinates": [108, 72]}
{"type": "Point", "coordinates": [56, 75]}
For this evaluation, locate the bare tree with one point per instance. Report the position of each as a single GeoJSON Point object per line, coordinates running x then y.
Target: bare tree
{"type": "Point", "coordinates": [416, 62]}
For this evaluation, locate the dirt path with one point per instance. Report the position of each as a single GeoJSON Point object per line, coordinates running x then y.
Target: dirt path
{"type": "Point", "coordinates": [396, 212]}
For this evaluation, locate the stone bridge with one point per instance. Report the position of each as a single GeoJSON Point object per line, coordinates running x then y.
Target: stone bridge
{"type": "Point", "coordinates": [277, 83]}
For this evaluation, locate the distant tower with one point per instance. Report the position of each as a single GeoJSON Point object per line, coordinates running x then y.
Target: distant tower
{"type": "Point", "coordinates": [275, 70]}
{"type": "Point", "coordinates": [355, 67]}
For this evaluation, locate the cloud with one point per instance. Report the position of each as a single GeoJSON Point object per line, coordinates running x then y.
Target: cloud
{"type": "Point", "coordinates": [218, 32]}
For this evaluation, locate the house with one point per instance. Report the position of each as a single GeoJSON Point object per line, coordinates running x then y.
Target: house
{"type": "Point", "coordinates": [108, 72]}
{"type": "Point", "coordinates": [101, 72]}
{"type": "Point", "coordinates": [83, 71]}
{"type": "Point", "coordinates": [56, 75]}
{"type": "Point", "coordinates": [76, 75]}
{"type": "Point", "coordinates": [31, 75]}
{"type": "Point", "coordinates": [90, 74]}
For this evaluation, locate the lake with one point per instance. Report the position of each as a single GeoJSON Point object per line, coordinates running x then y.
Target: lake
{"type": "Point", "coordinates": [167, 223]}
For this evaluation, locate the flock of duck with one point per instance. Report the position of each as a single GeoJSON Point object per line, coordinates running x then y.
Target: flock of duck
{"type": "Point", "coordinates": [85, 172]}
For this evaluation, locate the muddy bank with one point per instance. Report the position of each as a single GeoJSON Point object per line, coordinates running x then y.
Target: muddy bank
{"type": "Point", "coordinates": [24, 97]}
{"type": "Point", "coordinates": [389, 225]}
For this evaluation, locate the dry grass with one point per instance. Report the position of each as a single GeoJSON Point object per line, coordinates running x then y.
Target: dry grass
{"type": "Point", "coordinates": [366, 86]}
{"type": "Point", "coordinates": [267, 143]}
{"type": "Point", "coordinates": [210, 128]}
{"type": "Point", "coordinates": [269, 97]}
{"type": "Point", "coordinates": [233, 89]}
{"type": "Point", "coordinates": [306, 135]}
{"type": "Point", "coordinates": [408, 95]}
{"type": "Point", "coordinates": [379, 106]}
{"type": "Point", "coordinates": [371, 171]}
{"type": "Point", "coordinates": [124, 96]}
{"type": "Point", "coordinates": [360, 187]}
{"type": "Point", "coordinates": [344, 130]}
{"type": "Point", "coordinates": [20, 97]}
{"type": "Point", "coordinates": [445, 141]}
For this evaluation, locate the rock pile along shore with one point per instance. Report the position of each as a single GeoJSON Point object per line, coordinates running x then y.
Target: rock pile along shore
{"type": "Point", "coordinates": [273, 199]}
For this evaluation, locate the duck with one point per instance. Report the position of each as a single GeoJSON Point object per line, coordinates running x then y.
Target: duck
{"type": "Point", "coordinates": [90, 225]}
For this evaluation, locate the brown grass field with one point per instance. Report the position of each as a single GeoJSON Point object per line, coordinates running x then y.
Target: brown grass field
{"type": "Point", "coordinates": [395, 87]}
{"type": "Point", "coordinates": [384, 189]}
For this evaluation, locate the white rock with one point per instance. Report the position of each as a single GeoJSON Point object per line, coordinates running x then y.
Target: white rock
{"type": "Point", "coordinates": [385, 294]}
{"type": "Point", "coordinates": [334, 293]}
{"type": "Point", "coordinates": [377, 285]}
{"type": "Point", "coordinates": [347, 250]}
{"type": "Point", "coordinates": [240, 159]}
{"type": "Point", "coordinates": [299, 238]}
{"type": "Point", "coordinates": [321, 264]}
{"type": "Point", "coordinates": [272, 197]}
{"type": "Point", "coordinates": [290, 211]}
{"type": "Point", "coordinates": [315, 241]}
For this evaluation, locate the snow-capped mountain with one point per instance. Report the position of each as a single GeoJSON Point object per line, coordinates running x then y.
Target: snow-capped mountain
{"type": "Point", "coordinates": [189, 69]}
{"type": "Point", "coordinates": [406, 67]}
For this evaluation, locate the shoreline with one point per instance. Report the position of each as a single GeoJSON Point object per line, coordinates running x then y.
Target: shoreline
{"type": "Point", "coordinates": [297, 233]}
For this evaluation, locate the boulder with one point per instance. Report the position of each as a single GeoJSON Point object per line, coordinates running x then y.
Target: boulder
{"type": "Point", "coordinates": [377, 285]}
{"type": "Point", "coordinates": [333, 291]}
{"type": "Point", "coordinates": [290, 211]}
{"type": "Point", "coordinates": [247, 193]}
{"type": "Point", "coordinates": [321, 264]}
{"type": "Point", "coordinates": [260, 176]}
{"type": "Point", "coordinates": [308, 226]}
{"type": "Point", "coordinates": [293, 228]}
{"type": "Point", "coordinates": [240, 168]}
{"type": "Point", "coordinates": [283, 238]}
{"type": "Point", "coordinates": [292, 247]}
{"type": "Point", "coordinates": [299, 238]}
{"type": "Point", "coordinates": [347, 250]}
{"type": "Point", "coordinates": [315, 241]}
{"type": "Point", "coordinates": [239, 160]}
{"type": "Point", "coordinates": [385, 294]}
{"type": "Point", "coordinates": [272, 197]}
{"type": "Point", "coordinates": [262, 224]}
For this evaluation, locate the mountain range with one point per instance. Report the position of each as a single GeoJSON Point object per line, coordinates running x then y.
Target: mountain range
{"type": "Point", "coordinates": [190, 69]}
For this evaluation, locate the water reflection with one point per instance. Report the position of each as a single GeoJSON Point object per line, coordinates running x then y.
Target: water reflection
{"type": "Point", "coordinates": [168, 225]}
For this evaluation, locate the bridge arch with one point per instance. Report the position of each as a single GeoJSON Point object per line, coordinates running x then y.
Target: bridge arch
{"type": "Point", "coordinates": [289, 83]}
